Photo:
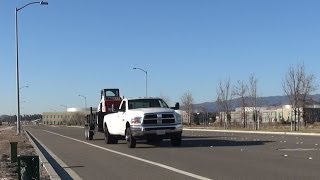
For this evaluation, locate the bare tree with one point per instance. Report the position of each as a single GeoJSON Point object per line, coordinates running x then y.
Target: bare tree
{"type": "Point", "coordinates": [298, 86]}
{"type": "Point", "coordinates": [64, 119]}
{"type": "Point", "coordinates": [308, 86]}
{"type": "Point", "coordinates": [77, 119]}
{"type": "Point", "coordinates": [290, 86]}
{"type": "Point", "coordinates": [253, 98]}
{"type": "Point", "coordinates": [241, 90]}
{"type": "Point", "coordinates": [165, 98]}
{"type": "Point", "coordinates": [187, 105]}
{"type": "Point", "coordinates": [223, 99]}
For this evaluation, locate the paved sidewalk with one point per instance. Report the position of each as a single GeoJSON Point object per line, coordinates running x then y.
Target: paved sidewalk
{"type": "Point", "coordinates": [250, 132]}
{"type": "Point", "coordinates": [6, 128]}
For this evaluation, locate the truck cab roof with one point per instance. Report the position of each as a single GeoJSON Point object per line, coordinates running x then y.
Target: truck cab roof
{"type": "Point", "coordinates": [135, 103]}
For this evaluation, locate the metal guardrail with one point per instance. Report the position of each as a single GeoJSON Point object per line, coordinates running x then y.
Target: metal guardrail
{"type": "Point", "coordinates": [28, 168]}
{"type": "Point", "coordinates": [14, 151]}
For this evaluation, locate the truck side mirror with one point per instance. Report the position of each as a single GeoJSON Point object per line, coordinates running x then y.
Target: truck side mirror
{"type": "Point", "coordinates": [177, 106]}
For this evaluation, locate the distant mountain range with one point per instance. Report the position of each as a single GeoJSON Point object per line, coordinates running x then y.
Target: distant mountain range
{"type": "Point", "coordinates": [262, 101]}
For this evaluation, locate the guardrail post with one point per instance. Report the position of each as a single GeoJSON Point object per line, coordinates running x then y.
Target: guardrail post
{"type": "Point", "coordinates": [14, 151]}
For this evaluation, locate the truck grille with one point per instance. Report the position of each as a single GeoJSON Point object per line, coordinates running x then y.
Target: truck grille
{"type": "Point", "coordinates": [155, 119]}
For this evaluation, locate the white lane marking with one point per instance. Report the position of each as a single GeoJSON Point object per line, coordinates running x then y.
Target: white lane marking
{"type": "Point", "coordinates": [298, 149]}
{"type": "Point", "coordinates": [137, 158]}
{"type": "Point", "coordinates": [198, 139]}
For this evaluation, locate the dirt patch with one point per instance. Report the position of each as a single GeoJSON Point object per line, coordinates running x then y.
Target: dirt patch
{"type": "Point", "coordinates": [8, 170]}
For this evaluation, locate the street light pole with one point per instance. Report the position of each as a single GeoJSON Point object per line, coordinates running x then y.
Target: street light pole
{"type": "Point", "coordinates": [85, 101]}
{"type": "Point", "coordinates": [17, 59]}
{"type": "Point", "coordinates": [146, 72]}
{"type": "Point", "coordinates": [64, 107]}
{"type": "Point", "coordinates": [22, 101]}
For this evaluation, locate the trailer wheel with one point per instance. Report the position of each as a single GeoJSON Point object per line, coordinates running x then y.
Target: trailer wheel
{"type": "Point", "coordinates": [90, 135]}
{"type": "Point", "coordinates": [131, 142]}
{"type": "Point", "coordinates": [87, 133]}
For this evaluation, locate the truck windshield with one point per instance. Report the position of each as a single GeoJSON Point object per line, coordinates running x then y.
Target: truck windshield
{"type": "Point", "coordinates": [146, 103]}
{"type": "Point", "coordinates": [112, 92]}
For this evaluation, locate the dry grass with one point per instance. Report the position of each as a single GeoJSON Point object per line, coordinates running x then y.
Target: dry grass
{"type": "Point", "coordinates": [8, 170]}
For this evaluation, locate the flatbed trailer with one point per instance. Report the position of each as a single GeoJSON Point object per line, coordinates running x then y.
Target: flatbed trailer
{"type": "Point", "coordinates": [109, 101]}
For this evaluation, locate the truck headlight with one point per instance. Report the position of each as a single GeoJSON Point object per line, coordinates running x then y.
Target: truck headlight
{"type": "Point", "coordinates": [178, 118]}
{"type": "Point", "coordinates": [136, 120]}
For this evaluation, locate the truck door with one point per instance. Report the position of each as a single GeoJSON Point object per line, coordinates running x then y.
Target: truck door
{"type": "Point", "coordinates": [121, 120]}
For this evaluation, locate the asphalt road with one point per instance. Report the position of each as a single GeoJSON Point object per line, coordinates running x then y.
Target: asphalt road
{"type": "Point", "coordinates": [203, 155]}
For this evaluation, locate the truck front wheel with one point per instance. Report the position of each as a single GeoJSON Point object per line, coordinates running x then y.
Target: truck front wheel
{"type": "Point", "coordinates": [131, 142]}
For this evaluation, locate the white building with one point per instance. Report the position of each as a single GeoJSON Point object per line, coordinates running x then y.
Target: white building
{"type": "Point", "coordinates": [265, 114]}
{"type": "Point", "coordinates": [71, 114]}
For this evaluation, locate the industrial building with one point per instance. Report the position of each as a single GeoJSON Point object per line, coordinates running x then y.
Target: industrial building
{"type": "Point", "coordinates": [75, 116]}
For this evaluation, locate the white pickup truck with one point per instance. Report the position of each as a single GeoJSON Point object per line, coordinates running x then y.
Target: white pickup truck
{"type": "Point", "coordinates": [148, 119]}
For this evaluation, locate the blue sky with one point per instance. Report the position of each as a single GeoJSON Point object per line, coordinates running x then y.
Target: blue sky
{"type": "Point", "coordinates": [79, 47]}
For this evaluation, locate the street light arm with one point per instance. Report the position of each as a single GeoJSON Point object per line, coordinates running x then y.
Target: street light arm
{"type": "Point", "coordinates": [35, 2]}
{"type": "Point", "coordinates": [82, 96]}
{"type": "Point", "coordinates": [64, 107]}
{"type": "Point", "coordinates": [85, 100]}
{"type": "Point", "coordinates": [146, 79]}
{"type": "Point", "coordinates": [24, 87]}
{"type": "Point", "coordinates": [18, 9]}
{"type": "Point", "coordinates": [141, 70]}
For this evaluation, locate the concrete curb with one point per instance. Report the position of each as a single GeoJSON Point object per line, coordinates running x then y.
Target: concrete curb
{"type": "Point", "coordinates": [52, 173]}
{"type": "Point", "coordinates": [75, 126]}
{"type": "Point", "coordinates": [44, 162]}
{"type": "Point", "coordinates": [253, 132]}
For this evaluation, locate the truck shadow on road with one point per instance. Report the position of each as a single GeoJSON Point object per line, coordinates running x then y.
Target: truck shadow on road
{"type": "Point", "coordinates": [208, 141]}
{"type": "Point", "coordinates": [199, 141]}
